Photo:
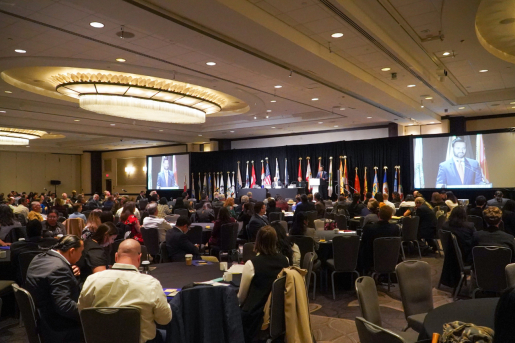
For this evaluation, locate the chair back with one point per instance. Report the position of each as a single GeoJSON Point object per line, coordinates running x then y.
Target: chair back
{"type": "Point", "coordinates": [21, 218]}
{"type": "Point", "coordinates": [86, 212]}
{"type": "Point", "coordinates": [345, 253]}
{"type": "Point", "coordinates": [24, 260]}
{"type": "Point", "coordinates": [181, 212]}
{"type": "Point", "coordinates": [277, 316]}
{"type": "Point", "coordinates": [446, 239]}
{"type": "Point", "coordinates": [307, 263]}
{"type": "Point", "coordinates": [216, 210]}
{"type": "Point", "coordinates": [489, 267]}
{"type": "Point", "coordinates": [457, 251]}
{"type": "Point", "coordinates": [16, 233]}
{"type": "Point", "coordinates": [329, 214]}
{"type": "Point", "coordinates": [368, 299]}
{"type": "Point", "coordinates": [306, 244]}
{"type": "Point", "coordinates": [113, 248]}
{"type": "Point", "coordinates": [371, 333]}
{"type": "Point", "coordinates": [274, 216]}
{"type": "Point", "coordinates": [341, 221]}
{"type": "Point", "coordinates": [386, 255]}
{"type": "Point", "coordinates": [195, 234]}
{"type": "Point", "coordinates": [311, 216]}
{"type": "Point", "coordinates": [163, 253]}
{"type": "Point", "coordinates": [415, 285]}
{"type": "Point", "coordinates": [510, 275]}
{"type": "Point", "coordinates": [151, 240]}
{"type": "Point", "coordinates": [284, 224]}
{"type": "Point", "coordinates": [142, 204]}
{"type": "Point", "coordinates": [123, 324]}
{"type": "Point", "coordinates": [228, 236]}
{"type": "Point", "coordinates": [440, 221]}
{"type": "Point", "coordinates": [410, 229]}
{"type": "Point", "coordinates": [144, 253]}
{"type": "Point", "coordinates": [28, 313]}
{"type": "Point", "coordinates": [74, 226]}
{"type": "Point", "coordinates": [477, 220]}
{"type": "Point", "coordinates": [319, 224]}
{"type": "Point", "coordinates": [248, 251]}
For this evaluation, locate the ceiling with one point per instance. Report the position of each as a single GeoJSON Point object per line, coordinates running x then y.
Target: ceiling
{"type": "Point", "coordinates": [256, 44]}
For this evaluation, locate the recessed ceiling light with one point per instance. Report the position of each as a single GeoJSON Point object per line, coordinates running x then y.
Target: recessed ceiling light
{"type": "Point", "coordinates": [320, 122]}
{"type": "Point", "coordinates": [20, 51]}
{"type": "Point", "coordinates": [447, 53]}
{"type": "Point", "coordinates": [96, 24]}
{"type": "Point", "coordinates": [342, 108]}
{"type": "Point", "coordinates": [255, 117]}
{"type": "Point", "coordinates": [200, 135]}
{"type": "Point", "coordinates": [2, 111]}
{"type": "Point", "coordinates": [273, 127]}
{"type": "Point", "coordinates": [211, 63]}
{"type": "Point", "coordinates": [267, 117]}
{"type": "Point", "coordinates": [278, 86]}
{"type": "Point", "coordinates": [160, 130]}
{"type": "Point", "coordinates": [483, 70]}
{"type": "Point", "coordinates": [28, 146]}
{"type": "Point", "coordinates": [231, 131]}
{"type": "Point", "coordinates": [428, 97]}
{"type": "Point", "coordinates": [410, 124]}
{"type": "Point", "coordinates": [77, 120]}
{"type": "Point", "coordinates": [337, 35]}
{"type": "Point", "coordinates": [461, 108]}
{"type": "Point", "coordinates": [411, 86]}
{"type": "Point", "coordinates": [336, 126]}
{"type": "Point", "coordinates": [273, 101]}
{"type": "Point", "coordinates": [120, 60]}
{"type": "Point", "coordinates": [421, 106]}
{"type": "Point", "coordinates": [385, 69]}
{"type": "Point", "coordinates": [8, 92]}
{"type": "Point", "coordinates": [314, 99]}
{"type": "Point", "coordinates": [269, 111]}
{"type": "Point", "coordinates": [513, 107]}
{"type": "Point", "coordinates": [113, 124]}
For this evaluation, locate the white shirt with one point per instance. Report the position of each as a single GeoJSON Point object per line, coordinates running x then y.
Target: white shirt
{"type": "Point", "coordinates": [20, 209]}
{"type": "Point", "coordinates": [153, 222]}
{"type": "Point", "coordinates": [136, 212]}
{"type": "Point", "coordinates": [125, 286]}
{"type": "Point", "coordinates": [391, 204]}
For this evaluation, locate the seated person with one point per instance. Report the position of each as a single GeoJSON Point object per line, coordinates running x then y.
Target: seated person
{"type": "Point", "coordinates": [154, 222]}
{"type": "Point", "coordinates": [451, 201]}
{"type": "Point", "coordinates": [285, 246]}
{"type": "Point", "coordinates": [492, 235]}
{"type": "Point", "coordinates": [305, 205]}
{"type": "Point", "coordinates": [229, 204]}
{"type": "Point", "coordinates": [463, 230]}
{"type": "Point", "coordinates": [436, 200]}
{"type": "Point", "coordinates": [388, 202]}
{"type": "Point", "coordinates": [319, 206]}
{"type": "Point", "coordinates": [163, 209]}
{"type": "Point", "coordinates": [341, 206]}
{"type": "Point", "coordinates": [508, 217]}
{"type": "Point", "coordinates": [124, 286]}
{"type": "Point", "coordinates": [355, 206]}
{"type": "Point", "coordinates": [108, 204]}
{"type": "Point", "coordinates": [52, 284]}
{"type": "Point", "coordinates": [243, 200]}
{"type": "Point", "coordinates": [407, 204]}
{"type": "Point", "coordinates": [35, 213]}
{"type": "Point", "coordinates": [257, 221]}
{"type": "Point", "coordinates": [224, 217]}
{"type": "Point", "coordinates": [245, 216]}
{"type": "Point", "coordinates": [271, 207]}
{"type": "Point", "coordinates": [94, 258]}
{"type": "Point", "coordinates": [178, 244]}
{"type": "Point", "coordinates": [373, 208]}
{"type": "Point", "coordinates": [51, 227]}
{"type": "Point", "coordinates": [281, 203]}
{"type": "Point", "coordinates": [7, 223]}
{"type": "Point", "coordinates": [77, 209]}
{"type": "Point", "coordinates": [205, 214]}
{"type": "Point", "coordinates": [479, 208]}
{"type": "Point", "coordinates": [396, 199]}
{"type": "Point", "coordinates": [257, 278]}
{"type": "Point", "coordinates": [378, 229]}
{"type": "Point", "coordinates": [498, 200]}
{"type": "Point", "coordinates": [34, 242]}
{"type": "Point", "coordinates": [300, 228]}
{"type": "Point", "coordinates": [427, 223]}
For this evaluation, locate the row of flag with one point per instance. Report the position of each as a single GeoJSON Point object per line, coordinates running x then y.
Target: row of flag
{"type": "Point", "coordinates": [216, 182]}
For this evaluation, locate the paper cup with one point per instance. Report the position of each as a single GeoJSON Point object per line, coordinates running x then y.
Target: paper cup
{"type": "Point", "coordinates": [227, 277]}
{"type": "Point", "coordinates": [223, 266]}
{"type": "Point", "coordinates": [189, 258]}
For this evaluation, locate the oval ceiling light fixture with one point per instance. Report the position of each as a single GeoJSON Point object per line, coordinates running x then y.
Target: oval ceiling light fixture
{"type": "Point", "coordinates": [20, 51]}
{"type": "Point", "coordinates": [483, 70]}
{"type": "Point", "coordinates": [369, 117]}
{"type": "Point", "coordinates": [337, 35]}
{"type": "Point", "coordinates": [411, 86]}
{"type": "Point", "coordinates": [96, 24]}
{"type": "Point", "coordinates": [314, 99]}
{"type": "Point", "coordinates": [9, 136]}
{"type": "Point", "coordinates": [386, 69]}
{"type": "Point", "coordinates": [447, 53]}
{"type": "Point", "coordinates": [273, 101]}
{"type": "Point", "coordinates": [428, 98]}
{"type": "Point", "coordinates": [120, 60]}
{"type": "Point", "coordinates": [278, 86]}
{"type": "Point", "coordinates": [461, 108]}
{"type": "Point", "coordinates": [211, 63]}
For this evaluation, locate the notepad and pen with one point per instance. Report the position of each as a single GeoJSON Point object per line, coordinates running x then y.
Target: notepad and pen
{"type": "Point", "coordinates": [171, 292]}
{"type": "Point", "coordinates": [199, 263]}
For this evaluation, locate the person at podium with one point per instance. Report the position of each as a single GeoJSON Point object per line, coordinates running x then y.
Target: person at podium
{"type": "Point", "coordinates": [324, 178]}
{"type": "Point", "coordinates": [277, 183]}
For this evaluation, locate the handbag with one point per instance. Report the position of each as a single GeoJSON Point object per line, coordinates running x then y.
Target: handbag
{"type": "Point", "coordinates": [460, 332]}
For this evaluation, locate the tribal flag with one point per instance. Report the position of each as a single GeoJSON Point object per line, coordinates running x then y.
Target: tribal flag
{"type": "Point", "coordinates": [365, 182]}
{"type": "Point", "coordinates": [215, 176]}
{"type": "Point", "coordinates": [342, 187]}
{"type": "Point", "coordinates": [233, 185]}
{"type": "Point", "coordinates": [253, 176]}
{"type": "Point", "coordinates": [238, 177]}
{"type": "Point", "coordinates": [229, 186]}
{"type": "Point", "coordinates": [330, 188]}
{"type": "Point", "coordinates": [375, 186]}
{"type": "Point", "coordinates": [357, 186]}
{"type": "Point", "coordinates": [247, 181]}
{"type": "Point", "coordinates": [345, 176]}
{"type": "Point", "coordinates": [205, 187]}
{"type": "Point", "coordinates": [277, 170]}
{"type": "Point", "coordinates": [209, 187]}
{"type": "Point", "coordinates": [300, 169]}
{"type": "Point", "coordinates": [385, 182]}
{"type": "Point", "coordinates": [401, 191]}
{"type": "Point", "coordinates": [395, 183]}
{"type": "Point", "coordinates": [262, 174]}
{"type": "Point", "coordinates": [308, 174]}
{"type": "Point", "coordinates": [481, 157]}
{"type": "Point", "coordinates": [222, 189]}
{"type": "Point", "coordinates": [268, 179]}
{"type": "Point", "coordinates": [185, 184]}
{"type": "Point", "coordinates": [286, 177]}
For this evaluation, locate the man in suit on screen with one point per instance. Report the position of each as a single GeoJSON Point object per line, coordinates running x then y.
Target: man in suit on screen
{"type": "Point", "coordinates": [166, 179]}
{"type": "Point", "coordinates": [459, 170]}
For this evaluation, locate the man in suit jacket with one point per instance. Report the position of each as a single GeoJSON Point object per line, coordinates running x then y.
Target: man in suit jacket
{"type": "Point", "coordinates": [492, 235]}
{"type": "Point", "coordinates": [257, 221]}
{"type": "Point", "coordinates": [427, 223]}
{"type": "Point", "coordinates": [55, 290]}
{"type": "Point", "coordinates": [141, 196]}
{"type": "Point", "coordinates": [178, 244]}
{"type": "Point", "coordinates": [459, 170]}
{"type": "Point", "coordinates": [304, 205]}
{"type": "Point", "coordinates": [251, 199]}
{"type": "Point", "coordinates": [166, 179]}
{"type": "Point", "coordinates": [324, 178]}
{"type": "Point", "coordinates": [498, 200]}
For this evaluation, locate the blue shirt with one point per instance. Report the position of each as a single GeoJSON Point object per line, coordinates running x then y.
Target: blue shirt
{"type": "Point", "coordinates": [78, 215]}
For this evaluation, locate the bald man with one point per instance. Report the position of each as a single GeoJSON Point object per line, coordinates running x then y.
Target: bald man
{"type": "Point", "coordinates": [124, 286]}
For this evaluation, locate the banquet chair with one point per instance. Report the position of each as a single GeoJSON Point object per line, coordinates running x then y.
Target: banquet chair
{"type": "Point", "coordinates": [311, 216]}
{"type": "Point", "coordinates": [284, 224]}
{"type": "Point", "coordinates": [24, 260]}
{"type": "Point", "coordinates": [16, 233]}
{"type": "Point", "coordinates": [464, 270]}
{"type": "Point", "coordinates": [277, 327]}
{"type": "Point", "coordinates": [228, 237]}
{"type": "Point", "coordinates": [319, 224]}
{"type": "Point", "coordinates": [163, 252]}
{"type": "Point", "coordinates": [410, 234]}
{"type": "Point", "coordinates": [416, 292]}
{"type": "Point", "coordinates": [195, 234]}
{"type": "Point", "coordinates": [142, 204]}
{"type": "Point", "coordinates": [329, 214]}
{"type": "Point", "coordinates": [123, 324]}
{"type": "Point", "coordinates": [21, 218]}
{"type": "Point", "coordinates": [345, 257]}
{"type": "Point", "coordinates": [275, 216]}
{"type": "Point", "coordinates": [328, 203]}
{"type": "Point", "coordinates": [113, 249]}
{"type": "Point", "coordinates": [151, 241]}
{"type": "Point", "coordinates": [248, 252]}
{"type": "Point", "coordinates": [368, 299]}
{"type": "Point", "coordinates": [489, 268]}
{"type": "Point", "coordinates": [477, 220]}
{"type": "Point", "coordinates": [386, 256]}
{"type": "Point", "coordinates": [307, 263]}
{"type": "Point", "coordinates": [510, 275]}
{"type": "Point", "coordinates": [181, 212]}
{"type": "Point", "coordinates": [341, 221]}
{"type": "Point", "coordinates": [371, 333]}
{"type": "Point", "coordinates": [29, 315]}
{"type": "Point", "coordinates": [144, 253]}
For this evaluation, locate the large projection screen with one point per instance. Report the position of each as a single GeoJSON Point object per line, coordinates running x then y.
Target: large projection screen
{"type": "Point", "coordinates": [168, 171]}
{"type": "Point", "coordinates": [469, 161]}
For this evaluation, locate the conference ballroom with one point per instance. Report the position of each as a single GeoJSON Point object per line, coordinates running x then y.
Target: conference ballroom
{"type": "Point", "coordinates": [251, 171]}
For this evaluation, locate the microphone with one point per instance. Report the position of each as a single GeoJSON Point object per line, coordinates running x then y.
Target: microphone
{"type": "Point", "coordinates": [354, 189]}
{"type": "Point", "coordinates": [124, 190]}
{"type": "Point", "coordinates": [482, 176]}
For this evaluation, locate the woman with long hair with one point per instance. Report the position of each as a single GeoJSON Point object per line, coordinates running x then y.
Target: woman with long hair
{"type": "Point", "coordinates": [245, 216]}
{"type": "Point", "coordinates": [162, 208]}
{"type": "Point", "coordinates": [224, 217]}
{"type": "Point", "coordinates": [130, 220]}
{"type": "Point", "coordinates": [289, 249]}
{"type": "Point", "coordinates": [92, 224]}
{"type": "Point", "coordinates": [7, 223]}
{"type": "Point", "coordinates": [229, 204]}
{"type": "Point", "coordinates": [463, 230]}
{"type": "Point", "coordinates": [436, 199]}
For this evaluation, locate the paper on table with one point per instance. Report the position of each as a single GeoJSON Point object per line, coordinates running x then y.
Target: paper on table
{"type": "Point", "coordinates": [236, 269]}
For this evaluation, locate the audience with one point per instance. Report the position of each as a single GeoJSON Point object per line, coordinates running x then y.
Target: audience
{"type": "Point", "coordinates": [124, 286]}
{"type": "Point", "coordinates": [396, 199]}
{"type": "Point", "coordinates": [271, 207]}
{"type": "Point", "coordinates": [285, 246]}
{"type": "Point", "coordinates": [131, 222]}
{"type": "Point", "coordinates": [205, 214]}
{"type": "Point", "coordinates": [153, 221]}
{"type": "Point", "coordinates": [436, 200]}
{"type": "Point", "coordinates": [244, 217]}
{"type": "Point", "coordinates": [305, 205]}
{"type": "Point", "coordinates": [124, 201]}
{"type": "Point", "coordinates": [427, 223]}
{"type": "Point", "coordinates": [22, 207]}
{"type": "Point", "coordinates": [387, 202]}
{"type": "Point", "coordinates": [92, 224]}
{"type": "Point", "coordinates": [319, 206]}
{"type": "Point", "coordinates": [492, 235]}
{"type": "Point", "coordinates": [355, 206]}
{"type": "Point", "coordinates": [229, 205]}
{"type": "Point", "coordinates": [94, 202]}
{"type": "Point", "coordinates": [162, 208]}
{"type": "Point", "coordinates": [300, 228]}
{"type": "Point", "coordinates": [408, 203]}
{"type": "Point", "coordinates": [77, 209]}
{"type": "Point", "coordinates": [451, 201]}
{"type": "Point", "coordinates": [243, 200]}
{"type": "Point", "coordinates": [36, 212]}
{"type": "Point", "coordinates": [52, 284]}
{"type": "Point", "coordinates": [257, 221]}
{"type": "Point", "coordinates": [341, 206]}
{"type": "Point", "coordinates": [498, 200]}
{"type": "Point", "coordinates": [463, 230]}
{"type": "Point", "coordinates": [373, 208]}
{"type": "Point", "coordinates": [224, 217]}
{"type": "Point", "coordinates": [508, 217]}
{"type": "Point", "coordinates": [51, 227]}
{"type": "Point", "coordinates": [7, 223]}
{"type": "Point", "coordinates": [249, 195]}
{"type": "Point", "coordinates": [258, 275]}
{"type": "Point", "coordinates": [178, 244]}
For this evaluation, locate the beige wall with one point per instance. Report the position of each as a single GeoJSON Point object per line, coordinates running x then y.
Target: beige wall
{"type": "Point", "coordinates": [490, 124]}
{"type": "Point", "coordinates": [86, 173]}
{"type": "Point", "coordinates": [32, 172]}
{"type": "Point", "coordinates": [125, 157]}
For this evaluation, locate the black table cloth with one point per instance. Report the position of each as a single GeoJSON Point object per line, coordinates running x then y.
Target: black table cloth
{"type": "Point", "coordinates": [480, 312]}
{"type": "Point", "coordinates": [178, 274]}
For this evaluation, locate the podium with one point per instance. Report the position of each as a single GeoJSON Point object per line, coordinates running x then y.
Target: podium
{"type": "Point", "coordinates": [314, 183]}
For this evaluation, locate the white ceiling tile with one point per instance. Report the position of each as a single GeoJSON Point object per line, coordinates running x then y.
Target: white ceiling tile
{"type": "Point", "coordinates": [289, 5]}
{"type": "Point", "coordinates": [425, 18]}
{"type": "Point", "coordinates": [268, 7]}
{"type": "Point", "coordinates": [308, 14]}
{"type": "Point", "coordinates": [150, 42]}
{"type": "Point", "coordinates": [325, 25]}
{"type": "Point", "coordinates": [416, 8]}
{"type": "Point", "coordinates": [64, 12]}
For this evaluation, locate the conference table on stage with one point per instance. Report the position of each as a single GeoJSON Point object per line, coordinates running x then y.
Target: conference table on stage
{"type": "Point", "coordinates": [260, 193]}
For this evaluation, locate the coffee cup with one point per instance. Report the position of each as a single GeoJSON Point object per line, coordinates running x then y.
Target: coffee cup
{"type": "Point", "coordinates": [189, 258]}
{"type": "Point", "coordinates": [336, 231]}
{"type": "Point", "coordinates": [223, 266]}
{"type": "Point", "coordinates": [227, 277]}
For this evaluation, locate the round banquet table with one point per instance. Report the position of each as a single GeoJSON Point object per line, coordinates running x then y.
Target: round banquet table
{"type": "Point", "coordinates": [480, 312]}
{"type": "Point", "coordinates": [178, 274]}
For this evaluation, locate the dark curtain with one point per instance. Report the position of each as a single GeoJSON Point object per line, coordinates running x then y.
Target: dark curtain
{"type": "Point", "coordinates": [390, 152]}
